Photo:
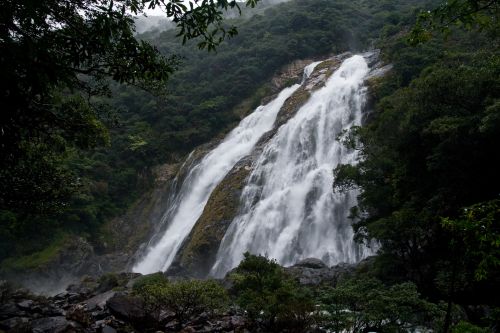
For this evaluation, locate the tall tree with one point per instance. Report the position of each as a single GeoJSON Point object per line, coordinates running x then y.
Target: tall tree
{"type": "Point", "coordinates": [58, 54]}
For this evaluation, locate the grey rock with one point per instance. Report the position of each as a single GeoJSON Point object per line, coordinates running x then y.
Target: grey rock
{"type": "Point", "coordinates": [108, 329]}
{"type": "Point", "coordinates": [314, 272]}
{"type": "Point", "coordinates": [311, 263]}
{"type": "Point", "coordinates": [26, 304]}
{"type": "Point", "coordinates": [237, 321]}
{"type": "Point", "coordinates": [99, 301]}
{"type": "Point", "coordinates": [17, 324]}
{"type": "Point", "coordinates": [50, 325]}
{"type": "Point", "coordinates": [8, 310]}
{"type": "Point", "coordinates": [127, 307]}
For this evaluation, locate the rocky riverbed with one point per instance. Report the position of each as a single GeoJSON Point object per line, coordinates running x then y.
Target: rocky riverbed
{"type": "Point", "coordinates": [108, 305]}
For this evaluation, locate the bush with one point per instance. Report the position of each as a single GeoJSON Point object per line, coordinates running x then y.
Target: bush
{"type": "Point", "coordinates": [185, 299]}
{"type": "Point", "coordinates": [365, 304]}
{"type": "Point", "coordinates": [270, 297]}
{"type": "Point", "coordinates": [149, 280]}
{"type": "Point", "coordinates": [465, 327]}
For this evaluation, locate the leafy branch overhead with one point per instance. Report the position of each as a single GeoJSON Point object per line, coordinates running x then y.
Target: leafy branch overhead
{"type": "Point", "coordinates": [481, 14]}
{"type": "Point", "coordinates": [57, 56]}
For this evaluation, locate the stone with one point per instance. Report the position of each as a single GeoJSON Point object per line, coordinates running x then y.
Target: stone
{"type": "Point", "coordinates": [172, 325]}
{"type": "Point", "coordinates": [8, 310]}
{"type": "Point", "coordinates": [188, 329]}
{"type": "Point", "coordinates": [50, 325]}
{"type": "Point", "coordinates": [108, 329]}
{"type": "Point", "coordinates": [16, 324]}
{"type": "Point", "coordinates": [99, 315]}
{"type": "Point", "coordinates": [127, 307]}
{"type": "Point", "coordinates": [25, 304]}
{"type": "Point", "coordinates": [311, 263]}
{"type": "Point", "coordinates": [61, 296]}
{"type": "Point", "coordinates": [78, 314]}
{"type": "Point", "coordinates": [99, 301]}
{"type": "Point", "coordinates": [237, 321]}
{"type": "Point", "coordinates": [166, 316]}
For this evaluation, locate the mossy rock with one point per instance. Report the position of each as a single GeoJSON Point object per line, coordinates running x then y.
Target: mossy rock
{"type": "Point", "coordinates": [330, 66]}
{"type": "Point", "coordinates": [292, 105]}
{"type": "Point", "coordinates": [200, 249]}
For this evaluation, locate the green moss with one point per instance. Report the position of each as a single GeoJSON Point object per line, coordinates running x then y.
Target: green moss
{"type": "Point", "coordinates": [220, 210]}
{"type": "Point", "coordinates": [37, 259]}
{"type": "Point", "coordinates": [331, 65]}
{"type": "Point", "coordinates": [292, 105]}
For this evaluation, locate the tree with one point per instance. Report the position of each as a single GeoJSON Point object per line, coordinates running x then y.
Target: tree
{"type": "Point", "coordinates": [185, 298]}
{"type": "Point", "coordinates": [57, 56]}
{"type": "Point", "coordinates": [365, 304]}
{"type": "Point", "coordinates": [271, 297]}
{"type": "Point", "coordinates": [482, 14]}
{"type": "Point", "coordinates": [426, 155]}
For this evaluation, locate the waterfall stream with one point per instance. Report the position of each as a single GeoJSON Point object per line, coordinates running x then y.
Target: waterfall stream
{"type": "Point", "coordinates": [202, 179]}
{"type": "Point", "coordinates": [288, 210]}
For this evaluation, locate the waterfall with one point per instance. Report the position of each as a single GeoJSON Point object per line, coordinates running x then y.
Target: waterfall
{"type": "Point", "coordinates": [308, 70]}
{"type": "Point", "coordinates": [288, 210]}
{"type": "Point", "coordinates": [202, 179]}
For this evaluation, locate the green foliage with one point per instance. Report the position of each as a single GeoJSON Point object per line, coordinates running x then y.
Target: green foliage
{"type": "Point", "coordinates": [465, 327]}
{"type": "Point", "coordinates": [89, 144]}
{"type": "Point", "coordinates": [270, 297]}
{"type": "Point", "coordinates": [156, 279]}
{"type": "Point", "coordinates": [185, 298]}
{"type": "Point", "coordinates": [58, 62]}
{"type": "Point", "coordinates": [481, 14]}
{"type": "Point", "coordinates": [426, 153]}
{"type": "Point", "coordinates": [478, 232]}
{"type": "Point", "coordinates": [37, 259]}
{"type": "Point", "coordinates": [365, 304]}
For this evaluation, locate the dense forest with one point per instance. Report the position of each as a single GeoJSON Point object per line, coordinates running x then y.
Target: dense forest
{"type": "Point", "coordinates": [427, 172]}
{"type": "Point", "coordinates": [75, 190]}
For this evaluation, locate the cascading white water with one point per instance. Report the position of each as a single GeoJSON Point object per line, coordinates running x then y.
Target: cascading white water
{"type": "Point", "coordinates": [309, 69]}
{"type": "Point", "coordinates": [288, 209]}
{"type": "Point", "coordinates": [202, 180]}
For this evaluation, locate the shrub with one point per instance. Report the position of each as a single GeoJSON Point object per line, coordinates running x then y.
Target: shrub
{"type": "Point", "coordinates": [465, 327]}
{"type": "Point", "coordinates": [149, 280]}
{"type": "Point", "coordinates": [270, 297]}
{"type": "Point", "coordinates": [184, 298]}
{"type": "Point", "coordinates": [364, 304]}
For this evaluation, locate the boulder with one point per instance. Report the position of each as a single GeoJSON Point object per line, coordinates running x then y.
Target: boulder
{"type": "Point", "coordinates": [313, 271]}
{"type": "Point", "coordinates": [108, 329]}
{"type": "Point", "coordinates": [311, 263]}
{"type": "Point", "coordinates": [8, 310]}
{"type": "Point", "coordinates": [25, 304]}
{"type": "Point", "coordinates": [16, 324]}
{"type": "Point", "coordinates": [50, 325]}
{"type": "Point", "coordinates": [127, 307]}
{"type": "Point", "coordinates": [99, 301]}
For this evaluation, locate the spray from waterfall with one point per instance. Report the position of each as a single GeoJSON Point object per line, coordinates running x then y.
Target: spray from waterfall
{"type": "Point", "coordinates": [288, 210]}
